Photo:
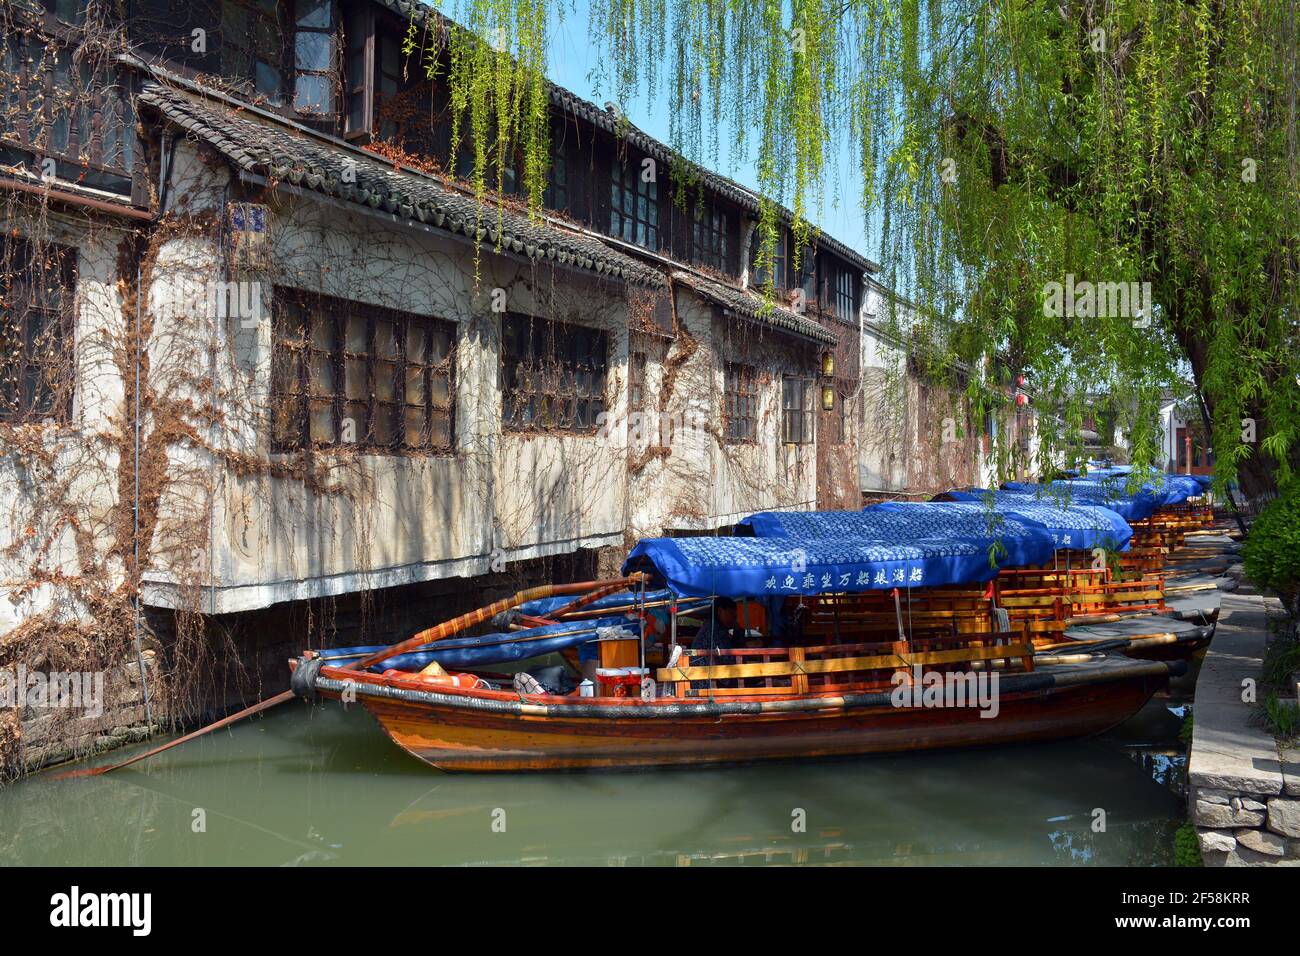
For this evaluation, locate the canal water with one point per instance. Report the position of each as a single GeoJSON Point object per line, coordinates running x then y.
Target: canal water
{"type": "Point", "coordinates": [319, 786]}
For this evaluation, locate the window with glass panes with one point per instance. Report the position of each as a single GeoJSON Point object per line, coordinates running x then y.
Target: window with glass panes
{"type": "Point", "coordinates": [709, 236]}
{"type": "Point", "coordinates": [634, 205]}
{"type": "Point", "coordinates": [358, 71]}
{"type": "Point", "coordinates": [806, 280]}
{"type": "Point", "coordinates": [314, 58]}
{"type": "Point", "coordinates": [761, 272]}
{"type": "Point", "coordinates": [62, 109]}
{"type": "Point", "coordinates": [349, 374]}
{"type": "Point", "coordinates": [37, 286]}
{"type": "Point", "coordinates": [253, 46]}
{"type": "Point", "coordinates": [557, 177]}
{"type": "Point", "coordinates": [740, 402]}
{"type": "Point", "coordinates": [553, 375]}
{"type": "Point", "coordinates": [846, 300]}
{"type": "Point", "coordinates": [390, 61]}
{"type": "Point", "coordinates": [798, 406]}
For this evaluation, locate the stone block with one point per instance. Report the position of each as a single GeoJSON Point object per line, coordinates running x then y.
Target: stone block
{"type": "Point", "coordinates": [1218, 816]}
{"type": "Point", "coordinates": [1216, 841]}
{"type": "Point", "coordinates": [1284, 816]}
{"type": "Point", "coordinates": [1261, 841]}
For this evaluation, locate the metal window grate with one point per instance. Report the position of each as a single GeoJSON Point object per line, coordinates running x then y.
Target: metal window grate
{"type": "Point", "coordinates": [553, 375]}
{"type": "Point", "coordinates": [345, 374]}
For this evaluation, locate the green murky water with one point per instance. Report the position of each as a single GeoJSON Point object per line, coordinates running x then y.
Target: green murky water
{"type": "Point", "coordinates": [322, 787]}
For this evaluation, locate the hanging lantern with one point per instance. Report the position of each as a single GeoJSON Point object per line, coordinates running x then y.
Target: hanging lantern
{"type": "Point", "coordinates": [828, 364]}
{"type": "Point", "coordinates": [828, 397]}
{"type": "Point", "coordinates": [1022, 400]}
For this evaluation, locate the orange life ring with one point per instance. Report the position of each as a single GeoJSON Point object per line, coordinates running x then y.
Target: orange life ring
{"type": "Point", "coordinates": [467, 681]}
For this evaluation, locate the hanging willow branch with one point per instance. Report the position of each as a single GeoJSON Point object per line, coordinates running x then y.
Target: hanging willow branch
{"type": "Point", "coordinates": [1002, 146]}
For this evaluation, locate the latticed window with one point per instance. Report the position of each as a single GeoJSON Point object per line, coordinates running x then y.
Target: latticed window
{"type": "Point", "coordinates": [66, 112]}
{"type": "Point", "coordinates": [37, 288]}
{"type": "Point", "coordinates": [348, 374]}
{"type": "Point", "coordinates": [634, 205]}
{"type": "Point", "coordinates": [846, 300]}
{"type": "Point", "coordinates": [557, 177]}
{"type": "Point", "coordinates": [740, 402]}
{"type": "Point", "coordinates": [636, 382]}
{"type": "Point", "coordinates": [806, 279]}
{"type": "Point", "coordinates": [314, 57]}
{"type": "Point", "coordinates": [553, 374]}
{"type": "Point", "coordinates": [709, 236]}
{"type": "Point", "coordinates": [253, 47]}
{"type": "Point", "coordinates": [765, 268]}
{"type": "Point", "coordinates": [798, 405]}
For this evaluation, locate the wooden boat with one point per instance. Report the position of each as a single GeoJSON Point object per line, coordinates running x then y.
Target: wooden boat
{"type": "Point", "coordinates": [863, 693]}
{"type": "Point", "coordinates": [1047, 579]}
{"type": "Point", "coordinates": [1055, 600]}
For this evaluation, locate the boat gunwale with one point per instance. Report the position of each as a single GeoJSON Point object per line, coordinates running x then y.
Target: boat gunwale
{"type": "Point", "coordinates": [336, 681]}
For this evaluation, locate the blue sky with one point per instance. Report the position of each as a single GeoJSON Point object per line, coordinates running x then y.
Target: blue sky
{"type": "Point", "coordinates": [573, 62]}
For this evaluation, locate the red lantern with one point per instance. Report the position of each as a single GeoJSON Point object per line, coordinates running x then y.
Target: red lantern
{"type": "Point", "coordinates": [1022, 400]}
{"type": "Point", "coordinates": [1020, 381]}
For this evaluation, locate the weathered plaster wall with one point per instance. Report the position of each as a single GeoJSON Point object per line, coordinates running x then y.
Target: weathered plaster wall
{"type": "Point", "coordinates": [390, 519]}
{"type": "Point", "coordinates": [58, 487]}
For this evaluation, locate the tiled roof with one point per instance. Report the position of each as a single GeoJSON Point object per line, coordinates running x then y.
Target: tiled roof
{"type": "Point", "coordinates": [749, 306]}
{"type": "Point", "coordinates": [618, 126]}
{"type": "Point", "coordinates": [293, 155]}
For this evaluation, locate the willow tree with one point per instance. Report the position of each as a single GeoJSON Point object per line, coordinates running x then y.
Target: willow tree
{"type": "Point", "coordinates": [1025, 161]}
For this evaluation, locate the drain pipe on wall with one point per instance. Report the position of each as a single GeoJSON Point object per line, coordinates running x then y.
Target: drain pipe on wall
{"type": "Point", "coordinates": [135, 510]}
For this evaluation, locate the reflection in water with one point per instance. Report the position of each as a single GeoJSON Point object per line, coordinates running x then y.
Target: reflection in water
{"type": "Point", "coordinates": [324, 787]}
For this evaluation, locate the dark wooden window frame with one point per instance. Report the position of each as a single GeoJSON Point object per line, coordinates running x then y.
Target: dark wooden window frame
{"type": "Point", "coordinates": [740, 403]}
{"type": "Point", "coordinates": [634, 204]}
{"type": "Point", "coordinates": [798, 409]}
{"type": "Point", "coordinates": [843, 416]}
{"type": "Point", "coordinates": [557, 387]}
{"type": "Point", "coordinates": [758, 278]}
{"type": "Point", "coordinates": [359, 73]}
{"type": "Point", "coordinates": [34, 396]}
{"type": "Point", "coordinates": [557, 175]}
{"type": "Point", "coordinates": [846, 300]}
{"type": "Point", "coordinates": [298, 351]}
{"type": "Point", "coordinates": [328, 34]}
{"type": "Point", "coordinates": [106, 121]}
{"type": "Point", "coordinates": [709, 228]}
{"type": "Point", "coordinates": [636, 383]}
{"type": "Point", "coordinates": [277, 29]}
{"type": "Point", "coordinates": [806, 279]}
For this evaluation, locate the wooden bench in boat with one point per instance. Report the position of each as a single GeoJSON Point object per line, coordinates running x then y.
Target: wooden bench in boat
{"type": "Point", "coordinates": [965, 609]}
{"type": "Point", "coordinates": [836, 667]}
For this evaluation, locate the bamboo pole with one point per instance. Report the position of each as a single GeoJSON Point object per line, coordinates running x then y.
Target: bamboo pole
{"type": "Point", "coordinates": [446, 629]}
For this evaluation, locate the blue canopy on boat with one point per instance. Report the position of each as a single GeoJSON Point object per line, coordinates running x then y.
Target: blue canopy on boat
{"type": "Point", "coordinates": [460, 653]}
{"type": "Point", "coordinates": [776, 567]}
{"type": "Point", "coordinates": [1153, 476]}
{"type": "Point", "coordinates": [1025, 541]}
{"type": "Point", "coordinates": [1071, 525]}
{"type": "Point", "coordinates": [1134, 507]}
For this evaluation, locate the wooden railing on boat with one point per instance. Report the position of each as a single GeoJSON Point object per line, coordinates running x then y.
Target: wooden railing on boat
{"type": "Point", "coordinates": [839, 667]}
{"type": "Point", "coordinates": [1049, 599]}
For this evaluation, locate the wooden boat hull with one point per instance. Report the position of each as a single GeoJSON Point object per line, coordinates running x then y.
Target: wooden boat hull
{"type": "Point", "coordinates": [449, 735]}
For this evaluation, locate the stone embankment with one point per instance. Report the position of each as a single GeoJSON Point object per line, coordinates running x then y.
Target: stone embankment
{"type": "Point", "coordinates": [1244, 791]}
